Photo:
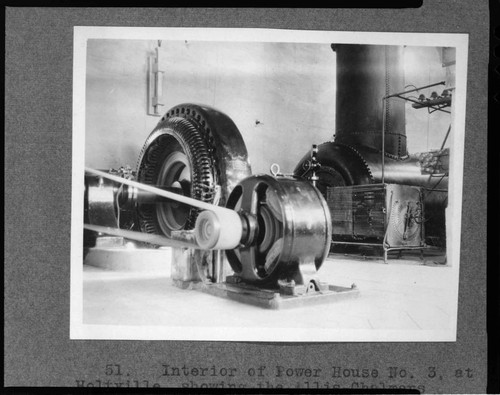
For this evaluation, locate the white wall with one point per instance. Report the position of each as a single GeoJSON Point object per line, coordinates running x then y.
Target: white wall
{"type": "Point", "coordinates": [423, 67]}
{"type": "Point", "coordinates": [116, 94]}
{"type": "Point", "coordinates": [289, 88]}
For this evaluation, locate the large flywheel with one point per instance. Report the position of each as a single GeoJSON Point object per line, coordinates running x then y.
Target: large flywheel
{"type": "Point", "coordinates": [196, 150]}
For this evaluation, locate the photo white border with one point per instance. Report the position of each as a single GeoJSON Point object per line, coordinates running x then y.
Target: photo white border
{"type": "Point", "coordinates": [78, 330]}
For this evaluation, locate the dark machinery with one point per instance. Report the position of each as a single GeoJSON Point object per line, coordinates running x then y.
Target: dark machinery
{"type": "Point", "coordinates": [369, 145]}
{"type": "Point", "coordinates": [195, 148]}
{"type": "Point", "coordinates": [387, 215]}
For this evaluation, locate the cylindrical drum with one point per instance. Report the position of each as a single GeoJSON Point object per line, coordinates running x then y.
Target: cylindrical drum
{"type": "Point", "coordinates": [286, 225]}
{"type": "Point", "coordinates": [365, 75]}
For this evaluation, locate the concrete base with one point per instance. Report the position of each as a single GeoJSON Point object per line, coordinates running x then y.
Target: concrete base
{"type": "Point", "coordinates": [128, 258]}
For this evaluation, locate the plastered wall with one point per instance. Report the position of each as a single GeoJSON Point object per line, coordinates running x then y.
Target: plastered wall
{"type": "Point", "coordinates": [280, 95]}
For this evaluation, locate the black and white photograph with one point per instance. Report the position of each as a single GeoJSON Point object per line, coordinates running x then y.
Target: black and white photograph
{"type": "Point", "coordinates": [266, 184]}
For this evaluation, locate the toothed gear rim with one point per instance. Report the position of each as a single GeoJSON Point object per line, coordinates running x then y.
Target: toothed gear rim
{"type": "Point", "coordinates": [222, 144]}
{"type": "Point", "coordinates": [175, 146]}
{"type": "Point", "coordinates": [341, 165]}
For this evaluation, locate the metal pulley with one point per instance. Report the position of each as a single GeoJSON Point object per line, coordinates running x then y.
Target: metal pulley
{"type": "Point", "coordinates": [286, 230]}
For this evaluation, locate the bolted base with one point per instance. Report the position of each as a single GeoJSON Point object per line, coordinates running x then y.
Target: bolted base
{"type": "Point", "coordinates": [279, 298]}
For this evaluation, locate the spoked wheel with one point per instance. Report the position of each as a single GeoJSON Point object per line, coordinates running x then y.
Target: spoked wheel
{"type": "Point", "coordinates": [286, 230]}
{"type": "Point", "coordinates": [263, 230]}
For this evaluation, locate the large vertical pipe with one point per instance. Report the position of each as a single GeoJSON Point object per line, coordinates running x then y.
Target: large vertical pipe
{"type": "Point", "coordinates": [365, 75]}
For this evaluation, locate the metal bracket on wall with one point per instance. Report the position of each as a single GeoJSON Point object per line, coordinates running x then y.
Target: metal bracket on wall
{"type": "Point", "coordinates": [155, 85]}
{"type": "Point", "coordinates": [434, 103]}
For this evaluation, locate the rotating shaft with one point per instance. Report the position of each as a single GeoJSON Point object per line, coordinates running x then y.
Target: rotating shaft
{"type": "Point", "coordinates": [160, 192]}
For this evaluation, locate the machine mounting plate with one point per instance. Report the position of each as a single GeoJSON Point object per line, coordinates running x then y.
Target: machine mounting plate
{"type": "Point", "coordinates": [273, 299]}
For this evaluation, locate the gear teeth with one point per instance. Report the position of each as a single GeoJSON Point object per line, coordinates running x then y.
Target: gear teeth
{"type": "Point", "coordinates": [388, 71]}
{"type": "Point", "coordinates": [192, 129]}
{"type": "Point", "coordinates": [361, 158]}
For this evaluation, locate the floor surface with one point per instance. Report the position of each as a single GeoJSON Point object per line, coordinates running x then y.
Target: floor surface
{"type": "Point", "coordinates": [405, 294]}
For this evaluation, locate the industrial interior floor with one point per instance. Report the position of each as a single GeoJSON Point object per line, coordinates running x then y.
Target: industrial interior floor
{"type": "Point", "coordinates": [133, 288]}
